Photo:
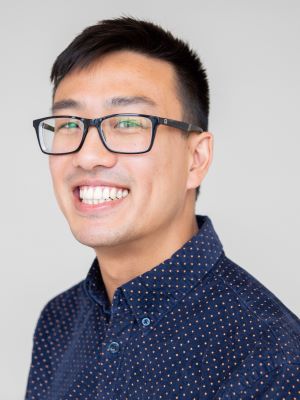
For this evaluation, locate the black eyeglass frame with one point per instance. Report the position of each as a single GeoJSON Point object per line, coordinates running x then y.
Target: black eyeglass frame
{"type": "Point", "coordinates": [87, 123]}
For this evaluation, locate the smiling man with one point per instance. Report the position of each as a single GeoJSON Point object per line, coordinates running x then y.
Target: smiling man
{"type": "Point", "coordinates": [162, 313]}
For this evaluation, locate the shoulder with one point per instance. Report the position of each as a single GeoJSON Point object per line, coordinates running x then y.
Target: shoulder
{"type": "Point", "coordinates": [71, 297]}
{"type": "Point", "coordinates": [279, 326]}
{"type": "Point", "coordinates": [262, 336]}
{"type": "Point", "coordinates": [64, 309]}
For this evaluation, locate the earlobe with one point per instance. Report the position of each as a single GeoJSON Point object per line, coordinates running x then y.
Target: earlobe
{"type": "Point", "coordinates": [201, 153]}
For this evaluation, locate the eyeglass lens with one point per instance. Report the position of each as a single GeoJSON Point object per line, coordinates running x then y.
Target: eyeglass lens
{"type": "Point", "coordinates": [128, 134]}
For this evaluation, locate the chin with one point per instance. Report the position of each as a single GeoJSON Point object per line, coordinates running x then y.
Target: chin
{"type": "Point", "coordinates": [96, 239]}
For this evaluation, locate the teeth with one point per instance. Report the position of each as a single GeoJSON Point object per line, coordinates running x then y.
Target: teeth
{"type": "Point", "coordinates": [97, 194]}
{"type": "Point", "coordinates": [86, 201]}
{"type": "Point", "coordinates": [89, 194]}
{"type": "Point", "coordinates": [105, 193]}
{"type": "Point", "coordinates": [113, 193]}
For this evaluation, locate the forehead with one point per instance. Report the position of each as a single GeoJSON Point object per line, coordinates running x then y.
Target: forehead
{"type": "Point", "coordinates": [122, 74]}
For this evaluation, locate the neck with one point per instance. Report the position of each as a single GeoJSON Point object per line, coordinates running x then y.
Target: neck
{"type": "Point", "coordinates": [124, 262]}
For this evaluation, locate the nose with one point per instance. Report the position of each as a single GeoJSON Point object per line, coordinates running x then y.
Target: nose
{"type": "Point", "coordinates": [93, 153]}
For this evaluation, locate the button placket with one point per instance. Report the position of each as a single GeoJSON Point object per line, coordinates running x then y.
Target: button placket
{"type": "Point", "coordinates": [113, 347]}
{"type": "Point", "coordinates": [121, 320]}
{"type": "Point", "coordinates": [146, 321]}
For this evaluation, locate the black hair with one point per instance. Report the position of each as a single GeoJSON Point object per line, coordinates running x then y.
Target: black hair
{"type": "Point", "coordinates": [144, 37]}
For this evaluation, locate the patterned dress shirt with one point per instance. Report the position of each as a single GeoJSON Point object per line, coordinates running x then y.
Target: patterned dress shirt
{"type": "Point", "coordinates": [197, 326]}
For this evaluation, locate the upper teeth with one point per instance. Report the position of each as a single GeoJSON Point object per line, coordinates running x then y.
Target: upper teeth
{"type": "Point", "coordinates": [96, 194]}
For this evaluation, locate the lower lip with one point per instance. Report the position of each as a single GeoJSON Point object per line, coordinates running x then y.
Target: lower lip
{"type": "Point", "coordinates": [89, 208]}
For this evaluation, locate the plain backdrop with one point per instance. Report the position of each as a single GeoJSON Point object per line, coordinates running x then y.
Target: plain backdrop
{"type": "Point", "coordinates": [252, 54]}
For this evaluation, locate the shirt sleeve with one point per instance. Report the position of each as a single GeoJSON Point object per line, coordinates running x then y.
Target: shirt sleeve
{"type": "Point", "coordinates": [33, 382]}
{"type": "Point", "coordinates": [281, 383]}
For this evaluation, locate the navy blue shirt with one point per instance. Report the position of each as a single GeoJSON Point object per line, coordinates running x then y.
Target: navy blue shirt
{"type": "Point", "coordinates": [197, 326]}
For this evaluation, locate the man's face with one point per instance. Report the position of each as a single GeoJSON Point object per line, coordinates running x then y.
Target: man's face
{"type": "Point", "coordinates": [156, 181]}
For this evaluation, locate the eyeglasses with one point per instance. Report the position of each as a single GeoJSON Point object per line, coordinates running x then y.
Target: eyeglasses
{"type": "Point", "coordinates": [119, 133]}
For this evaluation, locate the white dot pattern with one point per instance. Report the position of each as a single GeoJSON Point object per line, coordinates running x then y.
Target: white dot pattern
{"type": "Point", "coordinates": [197, 326]}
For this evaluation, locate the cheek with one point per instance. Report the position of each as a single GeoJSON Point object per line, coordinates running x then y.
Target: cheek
{"type": "Point", "coordinates": [159, 175]}
{"type": "Point", "coordinates": [173, 161]}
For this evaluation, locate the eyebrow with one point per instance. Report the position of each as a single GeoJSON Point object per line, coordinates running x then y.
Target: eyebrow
{"type": "Point", "coordinates": [128, 100]}
{"type": "Point", "coordinates": [67, 103]}
{"type": "Point", "coordinates": [113, 102]}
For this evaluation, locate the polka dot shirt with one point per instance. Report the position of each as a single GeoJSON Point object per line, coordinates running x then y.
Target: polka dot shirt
{"type": "Point", "coordinates": [197, 326]}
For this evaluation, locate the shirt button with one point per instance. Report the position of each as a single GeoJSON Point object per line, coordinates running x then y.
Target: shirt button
{"type": "Point", "coordinates": [113, 347]}
{"type": "Point", "coordinates": [146, 321]}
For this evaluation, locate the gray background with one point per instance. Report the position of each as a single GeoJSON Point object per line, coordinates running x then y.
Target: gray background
{"type": "Point", "coordinates": [251, 52]}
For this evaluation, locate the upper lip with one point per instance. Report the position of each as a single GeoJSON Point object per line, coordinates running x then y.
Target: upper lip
{"type": "Point", "coordinates": [97, 182]}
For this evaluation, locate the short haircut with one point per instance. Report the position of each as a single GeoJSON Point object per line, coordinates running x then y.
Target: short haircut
{"type": "Point", "coordinates": [146, 38]}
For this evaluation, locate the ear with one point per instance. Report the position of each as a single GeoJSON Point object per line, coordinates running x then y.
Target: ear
{"type": "Point", "coordinates": [200, 157]}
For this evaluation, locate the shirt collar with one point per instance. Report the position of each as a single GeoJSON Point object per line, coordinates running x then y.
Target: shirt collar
{"type": "Point", "coordinates": [156, 291]}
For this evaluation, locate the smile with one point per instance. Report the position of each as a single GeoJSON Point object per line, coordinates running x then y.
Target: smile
{"type": "Point", "coordinates": [100, 194]}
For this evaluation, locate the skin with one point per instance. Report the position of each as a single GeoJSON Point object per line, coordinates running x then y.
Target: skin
{"type": "Point", "coordinates": [157, 217]}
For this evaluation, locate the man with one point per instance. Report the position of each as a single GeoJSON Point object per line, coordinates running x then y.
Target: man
{"type": "Point", "coordinates": [162, 313]}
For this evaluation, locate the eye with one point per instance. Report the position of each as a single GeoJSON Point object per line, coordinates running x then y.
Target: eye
{"type": "Point", "coordinates": [65, 126]}
{"type": "Point", "coordinates": [69, 125]}
{"type": "Point", "coordinates": [129, 123]}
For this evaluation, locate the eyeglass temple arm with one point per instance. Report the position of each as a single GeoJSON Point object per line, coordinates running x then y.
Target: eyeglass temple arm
{"type": "Point", "coordinates": [180, 125]}
{"type": "Point", "coordinates": [47, 126]}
